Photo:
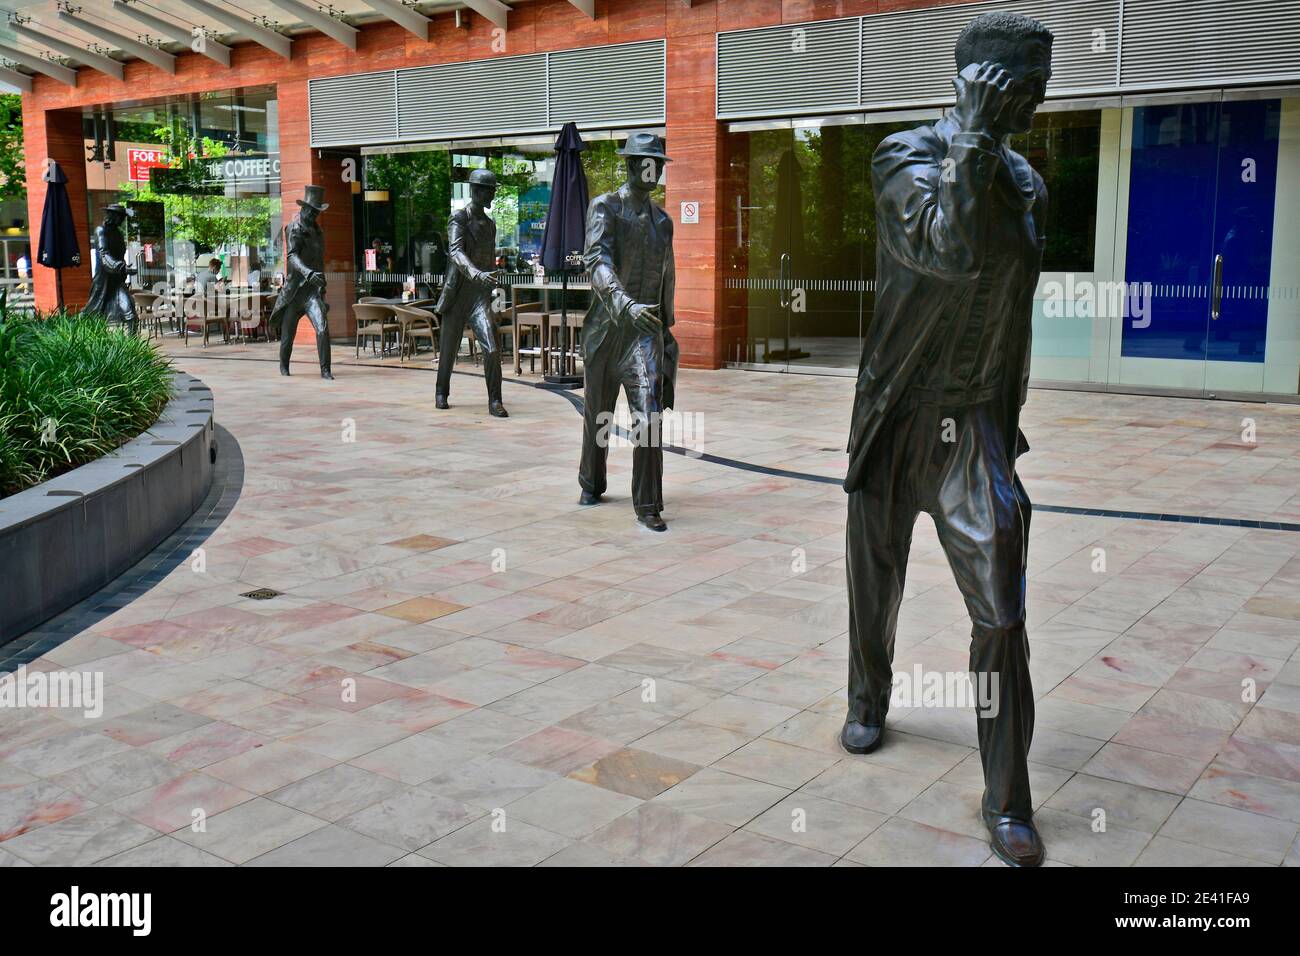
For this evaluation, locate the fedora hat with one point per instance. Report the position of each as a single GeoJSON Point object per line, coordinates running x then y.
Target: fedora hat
{"type": "Point", "coordinates": [118, 207]}
{"type": "Point", "coordinates": [312, 198]}
{"type": "Point", "coordinates": [644, 144]}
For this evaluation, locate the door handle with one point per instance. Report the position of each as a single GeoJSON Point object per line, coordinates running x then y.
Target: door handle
{"type": "Point", "coordinates": [1216, 290]}
{"type": "Point", "coordinates": [781, 278]}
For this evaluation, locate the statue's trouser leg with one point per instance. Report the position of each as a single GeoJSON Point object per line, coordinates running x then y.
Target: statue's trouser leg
{"type": "Point", "coordinates": [981, 513]}
{"type": "Point", "coordinates": [315, 312]}
{"type": "Point", "coordinates": [127, 306]}
{"type": "Point", "coordinates": [881, 516]}
{"type": "Point", "coordinates": [288, 329]}
{"type": "Point", "coordinates": [600, 386]}
{"type": "Point", "coordinates": [641, 370]}
{"type": "Point", "coordinates": [453, 327]}
{"type": "Point", "coordinates": [490, 346]}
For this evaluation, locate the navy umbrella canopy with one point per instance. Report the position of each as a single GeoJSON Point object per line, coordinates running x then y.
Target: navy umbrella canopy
{"type": "Point", "coordinates": [566, 220]}
{"type": "Point", "coordinates": [566, 228]}
{"type": "Point", "coordinates": [56, 247]}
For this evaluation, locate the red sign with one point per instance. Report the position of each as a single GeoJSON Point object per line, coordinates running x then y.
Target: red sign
{"type": "Point", "coordinates": [140, 161]}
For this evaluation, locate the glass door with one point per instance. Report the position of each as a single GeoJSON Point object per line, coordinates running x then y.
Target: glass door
{"type": "Point", "coordinates": [1202, 186]}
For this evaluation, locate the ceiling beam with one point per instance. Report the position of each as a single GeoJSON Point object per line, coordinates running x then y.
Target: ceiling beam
{"type": "Point", "coordinates": [20, 80]}
{"type": "Point", "coordinates": [277, 43]}
{"type": "Point", "coordinates": [142, 51]}
{"type": "Point", "coordinates": [96, 61]}
{"type": "Point", "coordinates": [586, 6]}
{"type": "Point", "coordinates": [55, 71]}
{"type": "Point", "coordinates": [493, 10]}
{"type": "Point", "coordinates": [174, 31]}
{"type": "Point", "coordinates": [412, 20]}
{"type": "Point", "coordinates": [326, 24]}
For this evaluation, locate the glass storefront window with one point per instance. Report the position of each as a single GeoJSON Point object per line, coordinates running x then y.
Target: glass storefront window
{"type": "Point", "coordinates": [406, 196]}
{"type": "Point", "coordinates": [202, 175]}
{"type": "Point", "coordinates": [1064, 146]}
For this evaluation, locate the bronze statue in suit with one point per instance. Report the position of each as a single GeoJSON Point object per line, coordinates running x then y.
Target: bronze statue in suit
{"type": "Point", "coordinates": [945, 368]}
{"type": "Point", "coordinates": [627, 338]}
{"type": "Point", "coordinates": [109, 295]}
{"type": "Point", "coordinates": [467, 291]}
{"type": "Point", "coordinates": [304, 287]}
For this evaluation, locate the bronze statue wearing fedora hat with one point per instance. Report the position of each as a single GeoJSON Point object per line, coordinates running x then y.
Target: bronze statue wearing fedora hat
{"type": "Point", "coordinates": [304, 289]}
{"type": "Point", "coordinates": [627, 336]}
{"type": "Point", "coordinates": [109, 295]}
{"type": "Point", "coordinates": [467, 291]}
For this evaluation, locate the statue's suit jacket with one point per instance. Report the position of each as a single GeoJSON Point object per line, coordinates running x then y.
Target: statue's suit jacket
{"type": "Point", "coordinates": [304, 245]}
{"type": "Point", "coordinates": [946, 206]}
{"type": "Point", "coordinates": [630, 260]}
{"type": "Point", "coordinates": [471, 247]}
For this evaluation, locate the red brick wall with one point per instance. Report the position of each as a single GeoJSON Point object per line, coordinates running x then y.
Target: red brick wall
{"type": "Point", "coordinates": [51, 115]}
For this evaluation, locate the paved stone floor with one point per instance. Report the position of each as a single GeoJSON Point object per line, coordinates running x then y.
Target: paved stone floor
{"type": "Point", "coordinates": [467, 668]}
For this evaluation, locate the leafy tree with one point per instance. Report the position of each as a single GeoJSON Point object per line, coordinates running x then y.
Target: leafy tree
{"type": "Point", "coordinates": [13, 172]}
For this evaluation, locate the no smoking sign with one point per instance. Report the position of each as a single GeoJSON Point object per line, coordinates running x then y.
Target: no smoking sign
{"type": "Point", "coordinates": [690, 212]}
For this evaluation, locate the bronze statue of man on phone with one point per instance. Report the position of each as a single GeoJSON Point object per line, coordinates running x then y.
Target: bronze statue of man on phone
{"type": "Point", "coordinates": [936, 417]}
{"type": "Point", "coordinates": [627, 339]}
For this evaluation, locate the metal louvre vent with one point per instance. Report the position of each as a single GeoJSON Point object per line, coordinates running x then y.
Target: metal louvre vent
{"type": "Point", "coordinates": [617, 84]}
{"type": "Point", "coordinates": [1211, 42]}
{"type": "Point", "coordinates": [797, 67]}
{"type": "Point", "coordinates": [350, 110]}
{"type": "Point", "coordinates": [475, 97]}
{"type": "Point", "coordinates": [907, 57]}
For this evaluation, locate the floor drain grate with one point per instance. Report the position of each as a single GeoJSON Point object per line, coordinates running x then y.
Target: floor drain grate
{"type": "Point", "coordinates": [262, 594]}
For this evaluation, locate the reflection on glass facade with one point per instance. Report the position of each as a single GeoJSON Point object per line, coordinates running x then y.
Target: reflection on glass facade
{"type": "Point", "coordinates": [405, 198]}
{"type": "Point", "coordinates": [202, 175]}
{"type": "Point", "coordinates": [1171, 251]}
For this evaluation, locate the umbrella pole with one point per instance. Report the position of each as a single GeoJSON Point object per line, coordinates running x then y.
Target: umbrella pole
{"type": "Point", "coordinates": [564, 322]}
{"type": "Point", "coordinates": [58, 287]}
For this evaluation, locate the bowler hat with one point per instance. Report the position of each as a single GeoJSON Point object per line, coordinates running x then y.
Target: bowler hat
{"type": "Point", "coordinates": [483, 177]}
{"type": "Point", "coordinates": [118, 207]}
{"type": "Point", "coordinates": [312, 197]}
{"type": "Point", "coordinates": [645, 144]}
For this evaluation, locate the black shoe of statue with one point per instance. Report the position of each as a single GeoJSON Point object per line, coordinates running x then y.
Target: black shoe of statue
{"type": "Point", "coordinates": [587, 498]}
{"type": "Point", "coordinates": [497, 410]}
{"type": "Point", "coordinates": [1016, 842]}
{"type": "Point", "coordinates": [859, 738]}
{"type": "Point", "coordinates": [284, 369]}
{"type": "Point", "coordinates": [440, 401]}
{"type": "Point", "coordinates": [653, 522]}
{"type": "Point", "coordinates": [326, 373]}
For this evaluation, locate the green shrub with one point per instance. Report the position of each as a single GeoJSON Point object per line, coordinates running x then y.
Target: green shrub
{"type": "Point", "coordinates": [71, 391]}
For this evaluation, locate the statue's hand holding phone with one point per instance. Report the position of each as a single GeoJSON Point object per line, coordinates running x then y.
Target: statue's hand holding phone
{"type": "Point", "coordinates": [984, 92]}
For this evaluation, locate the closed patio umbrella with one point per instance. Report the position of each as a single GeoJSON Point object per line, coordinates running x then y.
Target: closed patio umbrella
{"type": "Point", "coordinates": [566, 225]}
{"type": "Point", "coordinates": [56, 247]}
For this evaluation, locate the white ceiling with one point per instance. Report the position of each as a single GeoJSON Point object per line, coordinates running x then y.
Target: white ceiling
{"type": "Point", "coordinates": [44, 17]}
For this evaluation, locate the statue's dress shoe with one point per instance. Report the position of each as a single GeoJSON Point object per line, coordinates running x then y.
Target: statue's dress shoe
{"type": "Point", "coordinates": [653, 522]}
{"type": "Point", "coordinates": [859, 738]}
{"type": "Point", "coordinates": [587, 498]}
{"type": "Point", "coordinates": [440, 401]}
{"type": "Point", "coordinates": [497, 410]}
{"type": "Point", "coordinates": [326, 373]}
{"type": "Point", "coordinates": [284, 369]}
{"type": "Point", "coordinates": [1016, 842]}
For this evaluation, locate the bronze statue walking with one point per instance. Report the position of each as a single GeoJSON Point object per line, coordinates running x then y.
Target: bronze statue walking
{"type": "Point", "coordinates": [109, 292]}
{"type": "Point", "coordinates": [627, 340]}
{"type": "Point", "coordinates": [467, 291]}
{"type": "Point", "coordinates": [944, 372]}
{"type": "Point", "coordinates": [304, 289]}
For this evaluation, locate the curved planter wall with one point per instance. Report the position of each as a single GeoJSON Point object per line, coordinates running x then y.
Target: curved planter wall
{"type": "Point", "coordinates": [63, 540]}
